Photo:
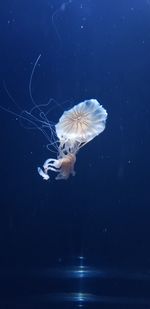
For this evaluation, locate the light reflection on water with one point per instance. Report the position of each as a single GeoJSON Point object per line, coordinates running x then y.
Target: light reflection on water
{"type": "Point", "coordinates": [78, 285]}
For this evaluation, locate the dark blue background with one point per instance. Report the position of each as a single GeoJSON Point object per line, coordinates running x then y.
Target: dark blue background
{"type": "Point", "coordinates": [90, 49]}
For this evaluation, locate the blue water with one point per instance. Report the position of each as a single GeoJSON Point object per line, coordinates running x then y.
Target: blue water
{"type": "Point", "coordinates": [83, 242]}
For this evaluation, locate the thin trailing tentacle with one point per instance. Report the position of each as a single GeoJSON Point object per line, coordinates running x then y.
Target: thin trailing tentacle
{"type": "Point", "coordinates": [31, 78]}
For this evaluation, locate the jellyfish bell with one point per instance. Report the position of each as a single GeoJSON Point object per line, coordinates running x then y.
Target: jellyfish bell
{"type": "Point", "coordinates": [82, 122]}
{"type": "Point", "coordinates": [75, 128]}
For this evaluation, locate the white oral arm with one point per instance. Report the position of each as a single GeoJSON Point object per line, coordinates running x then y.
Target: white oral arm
{"type": "Point", "coordinates": [41, 173]}
{"type": "Point", "coordinates": [56, 163]}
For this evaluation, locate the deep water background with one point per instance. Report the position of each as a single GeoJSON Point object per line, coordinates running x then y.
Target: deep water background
{"type": "Point", "coordinates": [89, 49]}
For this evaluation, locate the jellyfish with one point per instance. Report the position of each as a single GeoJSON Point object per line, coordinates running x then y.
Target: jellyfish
{"type": "Point", "coordinates": [75, 128]}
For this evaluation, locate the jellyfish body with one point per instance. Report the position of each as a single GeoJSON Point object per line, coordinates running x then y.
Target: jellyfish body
{"type": "Point", "coordinates": [75, 128]}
